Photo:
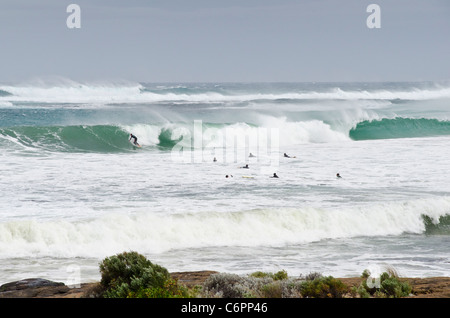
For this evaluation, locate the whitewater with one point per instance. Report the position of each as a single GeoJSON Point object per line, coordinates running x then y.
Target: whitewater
{"type": "Point", "coordinates": [74, 190]}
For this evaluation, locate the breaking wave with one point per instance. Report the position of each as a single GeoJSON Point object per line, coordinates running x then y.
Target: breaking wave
{"type": "Point", "coordinates": [399, 128]}
{"type": "Point", "coordinates": [152, 233]}
{"type": "Point", "coordinates": [67, 91]}
{"type": "Point", "coordinates": [114, 138]}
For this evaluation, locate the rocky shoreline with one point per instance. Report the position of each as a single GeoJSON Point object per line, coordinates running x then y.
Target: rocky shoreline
{"type": "Point", "coordinates": [432, 287]}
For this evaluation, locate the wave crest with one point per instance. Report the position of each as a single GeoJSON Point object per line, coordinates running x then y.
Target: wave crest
{"type": "Point", "coordinates": [67, 91]}
{"type": "Point", "coordinates": [399, 127]}
{"type": "Point", "coordinates": [99, 138]}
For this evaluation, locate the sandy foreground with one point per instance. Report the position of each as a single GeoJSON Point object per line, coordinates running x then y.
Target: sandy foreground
{"type": "Point", "coordinates": [432, 287]}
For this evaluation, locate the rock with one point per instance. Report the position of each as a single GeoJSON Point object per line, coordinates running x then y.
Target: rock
{"type": "Point", "coordinates": [191, 279]}
{"type": "Point", "coordinates": [32, 287]}
{"type": "Point", "coordinates": [28, 283]}
{"type": "Point", "coordinates": [431, 287]}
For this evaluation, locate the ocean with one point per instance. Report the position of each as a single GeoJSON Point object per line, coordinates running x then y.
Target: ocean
{"type": "Point", "coordinates": [74, 190]}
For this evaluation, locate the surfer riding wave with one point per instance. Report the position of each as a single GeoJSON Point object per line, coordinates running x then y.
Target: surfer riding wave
{"type": "Point", "coordinates": [133, 139]}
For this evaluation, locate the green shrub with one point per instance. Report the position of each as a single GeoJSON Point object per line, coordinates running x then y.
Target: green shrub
{"type": "Point", "coordinates": [388, 285]}
{"type": "Point", "coordinates": [260, 274]}
{"type": "Point", "coordinates": [171, 289]}
{"type": "Point", "coordinates": [129, 272]}
{"type": "Point", "coordinates": [323, 287]}
{"type": "Point", "coordinates": [272, 290]}
{"type": "Point", "coordinates": [360, 291]}
{"type": "Point", "coordinates": [280, 275]}
{"type": "Point", "coordinates": [365, 274]}
{"type": "Point", "coordinates": [392, 287]}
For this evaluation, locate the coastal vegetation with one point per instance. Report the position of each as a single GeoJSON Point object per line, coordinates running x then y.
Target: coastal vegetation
{"type": "Point", "coordinates": [131, 275]}
{"type": "Point", "coordinates": [387, 285]}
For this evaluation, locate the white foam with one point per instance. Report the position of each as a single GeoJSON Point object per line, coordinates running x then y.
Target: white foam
{"type": "Point", "coordinates": [240, 134]}
{"type": "Point", "coordinates": [74, 92]}
{"type": "Point", "coordinates": [5, 104]}
{"type": "Point", "coordinates": [154, 233]}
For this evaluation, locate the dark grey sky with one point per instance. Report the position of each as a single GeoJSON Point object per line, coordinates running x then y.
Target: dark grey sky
{"type": "Point", "coordinates": [226, 40]}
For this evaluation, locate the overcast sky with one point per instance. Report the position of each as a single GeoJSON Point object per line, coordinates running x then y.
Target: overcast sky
{"type": "Point", "coordinates": [225, 41]}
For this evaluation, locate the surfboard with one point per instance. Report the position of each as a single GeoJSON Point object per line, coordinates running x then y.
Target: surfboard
{"type": "Point", "coordinates": [135, 145]}
{"type": "Point", "coordinates": [250, 177]}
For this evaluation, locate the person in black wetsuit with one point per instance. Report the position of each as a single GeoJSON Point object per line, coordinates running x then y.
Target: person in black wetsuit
{"type": "Point", "coordinates": [134, 138]}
